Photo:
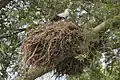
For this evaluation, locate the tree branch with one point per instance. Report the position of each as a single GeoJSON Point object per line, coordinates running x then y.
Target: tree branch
{"type": "Point", "coordinates": [99, 27]}
{"type": "Point", "coordinates": [114, 22]}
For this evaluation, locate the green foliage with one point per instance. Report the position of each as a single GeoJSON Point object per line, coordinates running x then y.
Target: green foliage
{"type": "Point", "coordinates": [16, 15]}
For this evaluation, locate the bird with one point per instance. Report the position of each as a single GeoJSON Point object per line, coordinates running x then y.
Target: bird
{"type": "Point", "coordinates": [61, 16]}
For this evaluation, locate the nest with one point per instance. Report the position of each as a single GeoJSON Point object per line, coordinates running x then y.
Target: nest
{"type": "Point", "coordinates": [55, 44]}
{"type": "Point", "coordinates": [71, 66]}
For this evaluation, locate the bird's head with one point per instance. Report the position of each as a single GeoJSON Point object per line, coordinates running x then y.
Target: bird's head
{"type": "Point", "coordinates": [66, 10]}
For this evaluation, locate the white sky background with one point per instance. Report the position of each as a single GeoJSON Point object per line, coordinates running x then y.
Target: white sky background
{"type": "Point", "coordinates": [51, 76]}
{"type": "Point", "coordinates": [47, 76]}
{"type": "Point", "coordinates": [103, 58]}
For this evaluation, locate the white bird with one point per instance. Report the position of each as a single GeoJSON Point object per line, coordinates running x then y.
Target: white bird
{"type": "Point", "coordinates": [63, 15]}
{"type": "Point", "coordinates": [60, 16]}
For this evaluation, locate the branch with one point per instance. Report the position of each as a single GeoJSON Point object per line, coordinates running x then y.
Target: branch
{"type": "Point", "coordinates": [109, 24]}
{"type": "Point", "coordinates": [99, 27]}
{"type": "Point", "coordinates": [114, 22]}
{"type": "Point", "coordinates": [3, 3]}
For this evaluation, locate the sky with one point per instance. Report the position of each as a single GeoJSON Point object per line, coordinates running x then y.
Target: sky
{"type": "Point", "coordinates": [50, 76]}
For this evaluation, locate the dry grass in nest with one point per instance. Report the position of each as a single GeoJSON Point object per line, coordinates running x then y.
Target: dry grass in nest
{"type": "Point", "coordinates": [52, 44]}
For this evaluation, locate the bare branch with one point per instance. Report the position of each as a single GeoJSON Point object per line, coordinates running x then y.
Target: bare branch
{"type": "Point", "coordinates": [110, 23]}
{"type": "Point", "coordinates": [99, 27]}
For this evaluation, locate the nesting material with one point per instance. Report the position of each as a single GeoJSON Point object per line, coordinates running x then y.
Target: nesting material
{"type": "Point", "coordinates": [53, 44]}
{"type": "Point", "coordinates": [71, 66]}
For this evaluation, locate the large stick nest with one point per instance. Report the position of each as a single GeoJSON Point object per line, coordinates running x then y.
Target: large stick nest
{"type": "Point", "coordinates": [55, 45]}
